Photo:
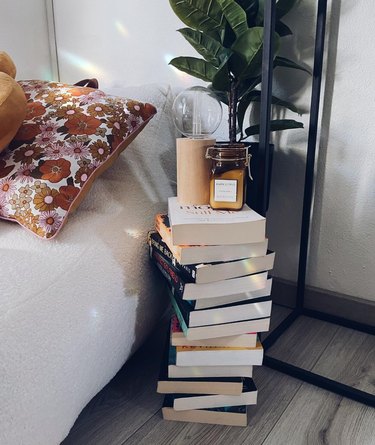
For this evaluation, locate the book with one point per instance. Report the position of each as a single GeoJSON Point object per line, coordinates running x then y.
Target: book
{"type": "Point", "coordinates": [178, 338]}
{"type": "Point", "coordinates": [218, 330]}
{"type": "Point", "coordinates": [179, 372]}
{"type": "Point", "coordinates": [205, 303]}
{"type": "Point", "coordinates": [191, 224]}
{"type": "Point", "coordinates": [196, 385]}
{"type": "Point", "coordinates": [242, 310]}
{"type": "Point", "coordinates": [218, 356]}
{"type": "Point", "coordinates": [196, 254]}
{"type": "Point", "coordinates": [210, 272]}
{"type": "Point", "coordinates": [200, 385]}
{"type": "Point", "coordinates": [187, 401]}
{"type": "Point", "coordinates": [193, 291]}
{"type": "Point", "coordinates": [175, 371]}
{"type": "Point", "coordinates": [229, 415]}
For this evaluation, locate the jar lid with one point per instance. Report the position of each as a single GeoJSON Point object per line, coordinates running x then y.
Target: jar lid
{"type": "Point", "coordinates": [227, 152]}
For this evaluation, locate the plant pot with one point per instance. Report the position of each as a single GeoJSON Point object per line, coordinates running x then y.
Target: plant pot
{"type": "Point", "coordinates": [255, 187]}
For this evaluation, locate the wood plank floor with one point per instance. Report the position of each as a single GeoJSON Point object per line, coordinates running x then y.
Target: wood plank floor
{"type": "Point", "coordinates": [127, 410]}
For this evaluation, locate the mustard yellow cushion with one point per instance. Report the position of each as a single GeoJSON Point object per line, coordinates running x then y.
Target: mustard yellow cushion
{"type": "Point", "coordinates": [12, 109]}
{"type": "Point", "coordinates": [7, 65]}
{"type": "Point", "coordinates": [70, 135]}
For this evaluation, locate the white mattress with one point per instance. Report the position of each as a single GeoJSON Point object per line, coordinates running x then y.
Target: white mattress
{"type": "Point", "coordinates": [73, 309]}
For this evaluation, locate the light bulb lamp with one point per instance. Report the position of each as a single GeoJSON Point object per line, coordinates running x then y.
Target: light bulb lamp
{"type": "Point", "coordinates": [197, 114]}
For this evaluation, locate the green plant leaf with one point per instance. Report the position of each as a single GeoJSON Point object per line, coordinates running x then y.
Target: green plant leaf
{"type": "Point", "coordinates": [247, 60]}
{"type": "Point", "coordinates": [282, 29]}
{"type": "Point", "coordinates": [221, 95]}
{"type": "Point", "coordinates": [202, 15]}
{"type": "Point", "coordinates": [235, 15]}
{"type": "Point", "coordinates": [243, 105]}
{"type": "Point", "coordinates": [245, 100]}
{"type": "Point", "coordinates": [195, 67]}
{"type": "Point", "coordinates": [221, 80]}
{"type": "Point", "coordinates": [275, 125]}
{"type": "Point", "coordinates": [248, 85]}
{"type": "Point", "coordinates": [287, 63]}
{"type": "Point", "coordinates": [254, 96]}
{"type": "Point", "coordinates": [206, 46]}
{"type": "Point", "coordinates": [251, 8]}
{"type": "Point", "coordinates": [229, 36]}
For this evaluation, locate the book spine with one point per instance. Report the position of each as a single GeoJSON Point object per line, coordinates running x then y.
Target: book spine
{"type": "Point", "coordinates": [189, 271]}
{"type": "Point", "coordinates": [163, 227]}
{"type": "Point", "coordinates": [169, 272]}
{"type": "Point", "coordinates": [175, 325]}
{"type": "Point", "coordinates": [179, 314]}
{"type": "Point", "coordinates": [171, 355]}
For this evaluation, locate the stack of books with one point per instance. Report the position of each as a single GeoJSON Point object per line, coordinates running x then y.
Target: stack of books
{"type": "Point", "coordinates": [216, 264]}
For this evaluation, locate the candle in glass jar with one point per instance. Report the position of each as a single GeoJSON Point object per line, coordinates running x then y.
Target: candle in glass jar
{"type": "Point", "coordinates": [228, 176]}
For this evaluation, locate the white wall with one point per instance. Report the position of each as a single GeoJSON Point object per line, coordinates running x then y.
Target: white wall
{"type": "Point", "coordinates": [119, 41]}
{"type": "Point", "coordinates": [341, 257]}
{"type": "Point", "coordinates": [24, 36]}
{"type": "Point", "coordinates": [122, 41]}
{"type": "Point", "coordinates": [344, 221]}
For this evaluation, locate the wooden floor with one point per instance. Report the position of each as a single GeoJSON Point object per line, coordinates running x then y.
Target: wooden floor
{"type": "Point", "coordinates": [289, 412]}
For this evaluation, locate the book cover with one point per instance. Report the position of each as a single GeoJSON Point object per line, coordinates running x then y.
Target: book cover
{"type": "Point", "coordinates": [217, 330]}
{"type": "Point", "coordinates": [195, 385]}
{"type": "Point", "coordinates": [175, 371]}
{"type": "Point", "coordinates": [239, 311]}
{"type": "Point", "coordinates": [202, 225]}
{"type": "Point", "coordinates": [228, 415]}
{"type": "Point", "coordinates": [207, 303]}
{"type": "Point", "coordinates": [235, 312]}
{"type": "Point", "coordinates": [169, 272]}
{"type": "Point", "coordinates": [218, 356]}
{"type": "Point", "coordinates": [195, 254]}
{"type": "Point", "coordinates": [183, 402]}
{"type": "Point", "coordinates": [193, 291]}
{"type": "Point", "coordinates": [178, 338]}
{"type": "Point", "coordinates": [155, 241]}
{"type": "Point", "coordinates": [211, 272]}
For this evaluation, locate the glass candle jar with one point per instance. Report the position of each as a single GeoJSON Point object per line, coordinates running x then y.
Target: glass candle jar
{"type": "Point", "coordinates": [229, 163]}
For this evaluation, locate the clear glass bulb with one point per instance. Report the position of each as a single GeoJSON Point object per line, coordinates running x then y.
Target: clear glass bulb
{"type": "Point", "coordinates": [197, 112]}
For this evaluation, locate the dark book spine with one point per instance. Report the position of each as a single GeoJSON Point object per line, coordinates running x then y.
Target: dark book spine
{"type": "Point", "coordinates": [182, 310]}
{"type": "Point", "coordinates": [171, 355]}
{"type": "Point", "coordinates": [249, 385]}
{"type": "Point", "coordinates": [169, 272]}
{"type": "Point", "coordinates": [188, 271]}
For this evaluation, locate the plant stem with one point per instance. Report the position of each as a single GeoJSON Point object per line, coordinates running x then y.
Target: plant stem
{"type": "Point", "coordinates": [232, 102]}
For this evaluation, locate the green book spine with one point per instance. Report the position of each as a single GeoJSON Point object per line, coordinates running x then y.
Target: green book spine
{"type": "Point", "coordinates": [178, 312]}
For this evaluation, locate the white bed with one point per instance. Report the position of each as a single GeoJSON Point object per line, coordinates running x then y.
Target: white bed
{"type": "Point", "coordinates": [73, 309]}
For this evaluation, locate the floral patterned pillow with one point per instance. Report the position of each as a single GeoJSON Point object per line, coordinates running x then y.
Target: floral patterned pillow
{"type": "Point", "coordinates": [70, 135]}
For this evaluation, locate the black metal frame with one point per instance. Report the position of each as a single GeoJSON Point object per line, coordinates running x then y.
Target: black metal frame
{"type": "Point", "coordinates": [300, 310]}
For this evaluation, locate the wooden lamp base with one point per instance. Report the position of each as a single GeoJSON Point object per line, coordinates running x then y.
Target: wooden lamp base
{"type": "Point", "coordinates": [193, 171]}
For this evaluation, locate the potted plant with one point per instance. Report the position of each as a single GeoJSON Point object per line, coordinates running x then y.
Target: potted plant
{"type": "Point", "coordinates": [228, 34]}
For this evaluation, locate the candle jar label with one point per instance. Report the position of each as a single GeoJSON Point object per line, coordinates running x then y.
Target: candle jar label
{"type": "Point", "coordinates": [225, 190]}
